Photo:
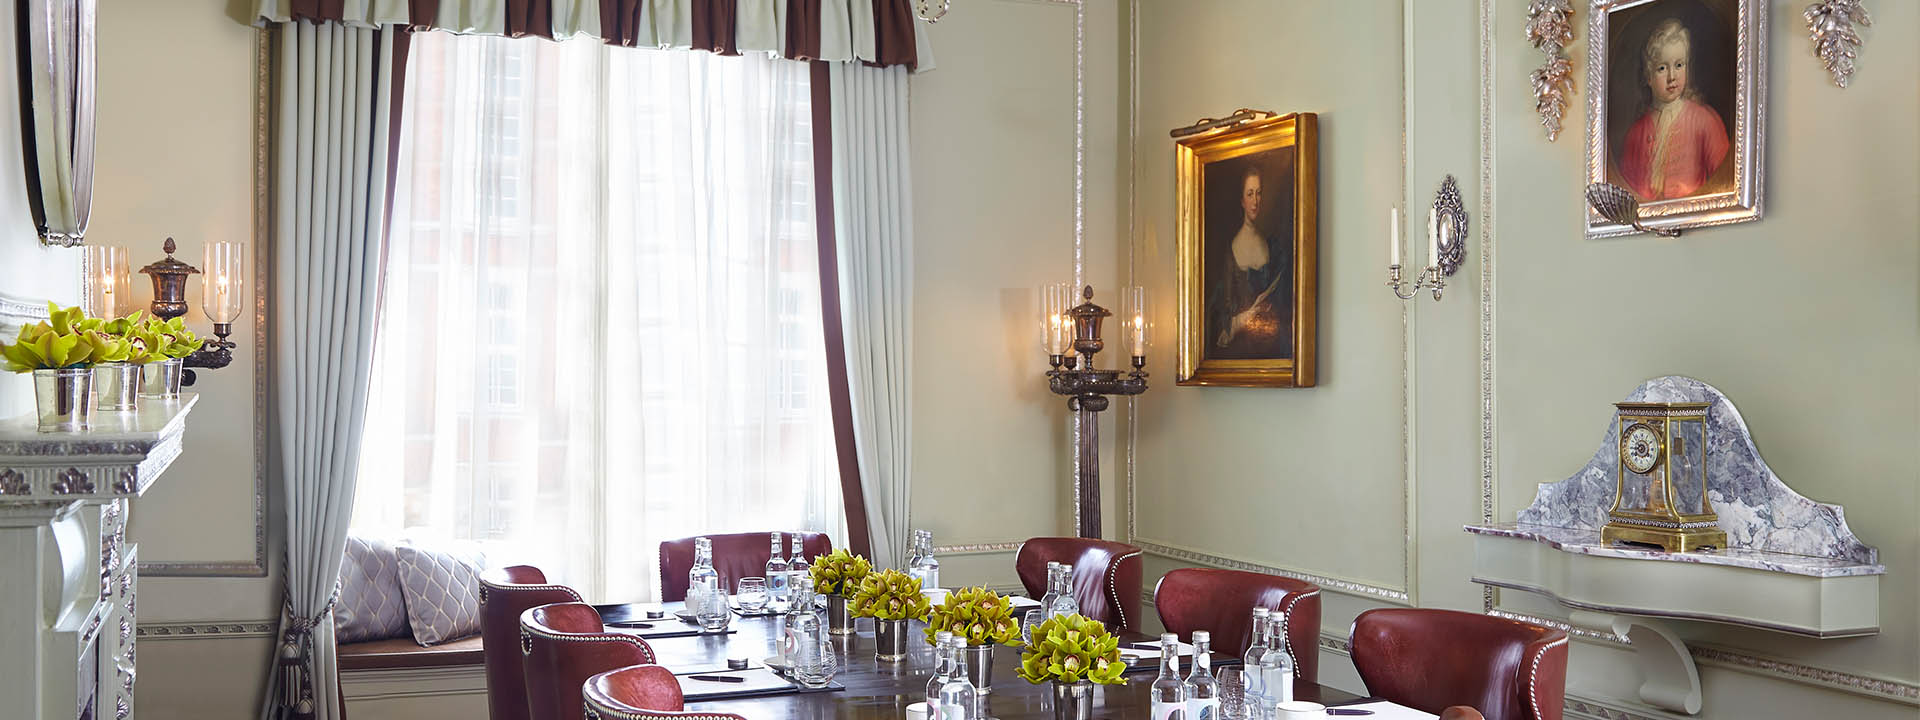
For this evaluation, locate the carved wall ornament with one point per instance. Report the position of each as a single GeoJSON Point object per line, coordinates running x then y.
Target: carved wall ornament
{"type": "Point", "coordinates": [1550, 29]}
{"type": "Point", "coordinates": [12, 483]}
{"type": "Point", "coordinates": [127, 484]}
{"type": "Point", "coordinates": [1830, 24]}
{"type": "Point", "coordinates": [71, 482]}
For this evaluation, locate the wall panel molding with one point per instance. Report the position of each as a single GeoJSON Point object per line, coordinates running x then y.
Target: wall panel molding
{"type": "Point", "coordinates": [1350, 587]}
{"type": "Point", "coordinates": [217, 629]}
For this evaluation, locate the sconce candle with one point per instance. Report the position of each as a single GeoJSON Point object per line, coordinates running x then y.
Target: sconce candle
{"type": "Point", "coordinates": [104, 275]}
{"type": "Point", "coordinates": [223, 276]}
{"type": "Point", "coordinates": [1133, 315]}
{"type": "Point", "coordinates": [1393, 239]}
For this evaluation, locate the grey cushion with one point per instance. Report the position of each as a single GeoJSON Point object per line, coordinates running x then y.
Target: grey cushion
{"type": "Point", "coordinates": [370, 606]}
{"type": "Point", "coordinates": [442, 589]}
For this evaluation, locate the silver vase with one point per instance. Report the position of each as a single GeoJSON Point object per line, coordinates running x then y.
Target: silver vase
{"type": "Point", "coordinates": [116, 387]}
{"type": "Point", "coordinates": [64, 398]}
{"type": "Point", "coordinates": [839, 620]}
{"type": "Point", "coordinates": [978, 660]}
{"type": "Point", "coordinates": [161, 379]}
{"type": "Point", "coordinates": [889, 640]}
{"type": "Point", "coordinates": [1072, 701]}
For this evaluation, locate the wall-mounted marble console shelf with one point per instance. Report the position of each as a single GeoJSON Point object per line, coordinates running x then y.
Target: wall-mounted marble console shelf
{"type": "Point", "coordinates": [67, 608]}
{"type": "Point", "coordinates": [1791, 564]}
{"type": "Point", "coordinates": [1816, 597]}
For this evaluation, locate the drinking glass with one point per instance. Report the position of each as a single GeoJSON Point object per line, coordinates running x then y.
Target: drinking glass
{"type": "Point", "coordinates": [1031, 620]}
{"type": "Point", "coordinates": [712, 613]}
{"type": "Point", "coordinates": [818, 670]}
{"type": "Point", "coordinates": [752, 593]}
{"type": "Point", "coordinates": [1233, 693]}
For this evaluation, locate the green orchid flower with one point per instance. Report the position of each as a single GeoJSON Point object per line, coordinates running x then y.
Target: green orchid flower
{"type": "Point", "coordinates": [978, 615]}
{"type": "Point", "coordinates": [1071, 648]}
{"type": "Point", "coordinates": [56, 343]}
{"type": "Point", "coordinates": [889, 595]}
{"type": "Point", "coordinates": [839, 572]}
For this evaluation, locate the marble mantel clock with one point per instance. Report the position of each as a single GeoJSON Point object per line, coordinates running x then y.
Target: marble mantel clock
{"type": "Point", "coordinates": [1660, 496]}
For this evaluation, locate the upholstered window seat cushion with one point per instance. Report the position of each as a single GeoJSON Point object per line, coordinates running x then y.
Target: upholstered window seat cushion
{"type": "Point", "coordinates": [403, 652]}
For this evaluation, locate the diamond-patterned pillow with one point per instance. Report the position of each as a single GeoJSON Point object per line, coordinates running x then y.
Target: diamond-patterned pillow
{"type": "Point", "coordinates": [442, 589]}
{"type": "Point", "coordinates": [370, 606]}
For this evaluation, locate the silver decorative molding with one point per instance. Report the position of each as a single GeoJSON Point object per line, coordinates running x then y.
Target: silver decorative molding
{"type": "Point", "coordinates": [1584, 709]}
{"type": "Point", "coordinates": [262, 265]}
{"type": "Point", "coordinates": [1883, 688]}
{"type": "Point", "coordinates": [1550, 29]}
{"type": "Point", "coordinates": [221, 629]}
{"type": "Point", "coordinates": [1830, 26]}
{"type": "Point", "coordinates": [977, 548]}
{"type": "Point", "coordinates": [1349, 587]}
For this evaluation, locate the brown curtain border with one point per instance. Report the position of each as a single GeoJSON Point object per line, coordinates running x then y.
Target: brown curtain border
{"type": "Point", "coordinates": [839, 390]}
{"type": "Point", "coordinates": [715, 24]}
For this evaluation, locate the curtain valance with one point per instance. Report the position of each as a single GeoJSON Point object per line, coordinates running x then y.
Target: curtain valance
{"type": "Point", "coordinates": [877, 32]}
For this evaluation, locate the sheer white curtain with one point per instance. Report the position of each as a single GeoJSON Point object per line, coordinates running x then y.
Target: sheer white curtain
{"type": "Point", "coordinates": [601, 326]}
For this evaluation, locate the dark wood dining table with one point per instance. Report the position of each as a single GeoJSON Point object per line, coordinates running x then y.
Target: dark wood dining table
{"type": "Point", "coordinates": [882, 690]}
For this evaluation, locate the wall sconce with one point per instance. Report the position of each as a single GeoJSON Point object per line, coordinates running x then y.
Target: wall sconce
{"type": "Point", "coordinates": [1446, 244]}
{"type": "Point", "coordinates": [1071, 337]}
{"type": "Point", "coordinates": [220, 297]}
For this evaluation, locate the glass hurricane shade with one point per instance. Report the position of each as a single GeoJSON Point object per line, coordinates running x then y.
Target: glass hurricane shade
{"type": "Point", "coordinates": [1060, 326]}
{"type": "Point", "coordinates": [104, 279]}
{"type": "Point", "coordinates": [1133, 319]}
{"type": "Point", "coordinates": [1056, 327]}
{"type": "Point", "coordinates": [223, 277]}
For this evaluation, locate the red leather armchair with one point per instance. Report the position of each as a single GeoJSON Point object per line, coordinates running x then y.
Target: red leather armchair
{"type": "Point", "coordinates": [1221, 602]}
{"type": "Point", "coordinates": [1431, 659]}
{"type": "Point", "coordinates": [1106, 576]}
{"type": "Point", "coordinates": [735, 555]}
{"type": "Point", "coordinates": [564, 645]}
{"type": "Point", "coordinates": [505, 593]}
{"type": "Point", "coordinates": [642, 692]}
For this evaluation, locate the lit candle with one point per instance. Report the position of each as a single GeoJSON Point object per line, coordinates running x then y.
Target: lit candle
{"type": "Point", "coordinates": [1058, 346]}
{"type": "Point", "coordinates": [1393, 240]}
{"type": "Point", "coordinates": [1139, 336]}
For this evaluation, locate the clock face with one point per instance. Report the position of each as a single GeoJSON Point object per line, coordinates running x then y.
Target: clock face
{"type": "Point", "coordinates": [1640, 449]}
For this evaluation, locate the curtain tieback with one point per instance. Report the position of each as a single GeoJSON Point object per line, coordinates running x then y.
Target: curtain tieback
{"type": "Point", "coordinates": [296, 654]}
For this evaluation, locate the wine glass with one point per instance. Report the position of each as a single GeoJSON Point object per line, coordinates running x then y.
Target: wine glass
{"type": "Point", "coordinates": [1028, 622]}
{"type": "Point", "coordinates": [752, 593]}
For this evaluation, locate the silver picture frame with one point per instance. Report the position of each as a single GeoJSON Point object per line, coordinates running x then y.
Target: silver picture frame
{"type": "Point", "coordinates": [56, 40]}
{"type": "Point", "coordinates": [1744, 200]}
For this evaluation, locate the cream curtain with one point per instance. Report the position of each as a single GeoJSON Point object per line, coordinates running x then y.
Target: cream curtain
{"type": "Point", "coordinates": [602, 319]}
{"type": "Point", "coordinates": [334, 89]}
{"type": "Point", "coordinates": [873, 217]}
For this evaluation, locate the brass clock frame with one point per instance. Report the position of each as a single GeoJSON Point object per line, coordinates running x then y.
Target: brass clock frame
{"type": "Point", "coordinates": [1659, 451]}
{"type": "Point", "coordinates": [1661, 523]}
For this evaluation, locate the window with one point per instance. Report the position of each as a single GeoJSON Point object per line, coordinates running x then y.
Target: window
{"type": "Point", "coordinates": [601, 321]}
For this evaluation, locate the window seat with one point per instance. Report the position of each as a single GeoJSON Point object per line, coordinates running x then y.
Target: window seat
{"type": "Point", "coordinates": [403, 652]}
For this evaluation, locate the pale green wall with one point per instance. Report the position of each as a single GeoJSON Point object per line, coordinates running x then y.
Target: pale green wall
{"type": "Point", "coordinates": [1809, 319]}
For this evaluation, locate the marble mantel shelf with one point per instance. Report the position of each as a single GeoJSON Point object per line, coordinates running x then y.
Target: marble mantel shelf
{"type": "Point", "coordinates": [118, 457]}
{"type": "Point", "coordinates": [1587, 542]}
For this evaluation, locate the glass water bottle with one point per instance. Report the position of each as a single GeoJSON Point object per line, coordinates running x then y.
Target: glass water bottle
{"type": "Point", "coordinates": [702, 582]}
{"type": "Point", "coordinates": [1168, 694]}
{"type": "Point", "coordinates": [1256, 649]}
{"type": "Point", "coordinates": [1063, 602]}
{"type": "Point", "coordinates": [798, 565]}
{"type": "Point", "coordinates": [943, 662]}
{"type": "Point", "coordinates": [1203, 692]}
{"type": "Point", "coordinates": [1276, 667]}
{"type": "Point", "coordinates": [958, 696]}
{"type": "Point", "coordinates": [925, 566]}
{"type": "Point", "coordinates": [777, 579]}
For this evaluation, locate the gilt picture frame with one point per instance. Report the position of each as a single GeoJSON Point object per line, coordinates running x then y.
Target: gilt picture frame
{"type": "Point", "coordinates": [1247, 253]}
{"type": "Point", "coordinates": [1676, 110]}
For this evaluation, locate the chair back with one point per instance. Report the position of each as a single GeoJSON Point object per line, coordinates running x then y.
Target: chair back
{"type": "Point", "coordinates": [505, 593]}
{"type": "Point", "coordinates": [1430, 659]}
{"type": "Point", "coordinates": [1106, 576]}
{"type": "Point", "coordinates": [641, 692]}
{"type": "Point", "coordinates": [735, 555]}
{"type": "Point", "coordinates": [564, 645]}
{"type": "Point", "coordinates": [1221, 602]}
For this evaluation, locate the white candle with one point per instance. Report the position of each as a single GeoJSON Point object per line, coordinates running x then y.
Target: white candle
{"type": "Point", "coordinates": [1433, 240]}
{"type": "Point", "coordinates": [1393, 240]}
{"type": "Point", "coordinates": [1139, 336]}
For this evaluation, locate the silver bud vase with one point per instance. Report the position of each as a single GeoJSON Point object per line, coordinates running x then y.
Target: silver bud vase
{"type": "Point", "coordinates": [64, 398]}
{"type": "Point", "coordinates": [890, 640]}
{"type": "Point", "coordinates": [839, 619]}
{"type": "Point", "coordinates": [161, 379]}
{"type": "Point", "coordinates": [978, 660]}
{"type": "Point", "coordinates": [1072, 701]}
{"type": "Point", "coordinates": [116, 387]}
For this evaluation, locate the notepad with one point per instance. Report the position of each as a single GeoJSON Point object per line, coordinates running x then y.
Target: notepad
{"type": "Point", "coordinates": [1383, 710]}
{"type": "Point", "coordinates": [758, 680]}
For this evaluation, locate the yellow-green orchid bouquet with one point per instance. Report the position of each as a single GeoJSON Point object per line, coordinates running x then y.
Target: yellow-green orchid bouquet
{"type": "Point", "coordinates": [977, 615]}
{"type": "Point", "coordinates": [889, 595]}
{"type": "Point", "coordinates": [1071, 648]}
{"type": "Point", "coordinates": [58, 343]}
{"type": "Point", "coordinates": [839, 573]}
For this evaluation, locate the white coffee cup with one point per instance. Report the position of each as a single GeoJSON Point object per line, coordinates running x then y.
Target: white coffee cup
{"type": "Point", "coordinates": [1300, 710]}
{"type": "Point", "coordinates": [917, 711]}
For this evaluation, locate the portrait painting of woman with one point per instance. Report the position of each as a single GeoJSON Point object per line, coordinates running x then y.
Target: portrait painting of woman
{"type": "Point", "coordinates": [1673, 116]}
{"type": "Point", "coordinates": [1248, 253]}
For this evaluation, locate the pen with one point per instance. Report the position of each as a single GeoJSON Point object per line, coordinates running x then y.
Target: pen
{"type": "Point", "coordinates": [1348, 711]}
{"type": "Point", "coordinates": [718, 678]}
{"type": "Point", "coordinates": [631, 624]}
